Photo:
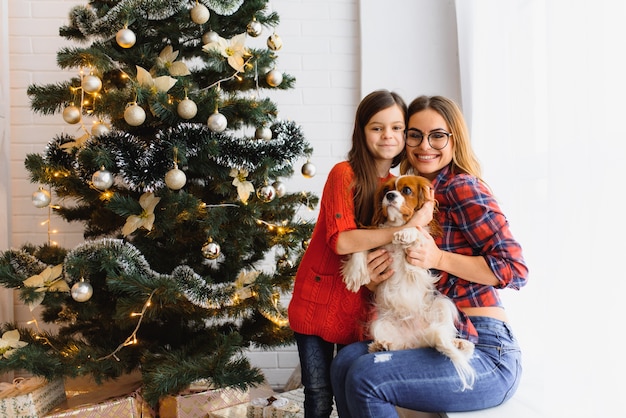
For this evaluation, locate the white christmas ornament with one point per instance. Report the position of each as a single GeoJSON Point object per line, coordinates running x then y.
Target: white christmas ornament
{"type": "Point", "coordinates": [134, 115]}
{"type": "Point", "coordinates": [187, 108]}
{"type": "Point", "coordinates": [274, 78]}
{"type": "Point", "coordinates": [274, 42]}
{"type": "Point", "coordinates": [266, 193]}
{"type": "Point", "coordinates": [175, 179]}
{"type": "Point", "coordinates": [308, 170]}
{"type": "Point", "coordinates": [280, 188]}
{"type": "Point", "coordinates": [217, 122]}
{"type": "Point", "coordinates": [91, 84]}
{"type": "Point", "coordinates": [263, 132]}
{"type": "Point", "coordinates": [81, 291]}
{"type": "Point", "coordinates": [102, 179]}
{"type": "Point", "coordinates": [99, 128]}
{"type": "Point", "coordinates": [254, 29]}
{"type": "Point", "coordinates": [41, 198]}
{"type": "Point", "coordinates": [210, 36]}
{"type": "Point", "coordinates": [125, 38]}
{"type": "Point", "coordinates": [211, 250]}
{"type": "Point", "coordinates": [200, 14]}
{"type": "Point", "coordinates": [71, 115]}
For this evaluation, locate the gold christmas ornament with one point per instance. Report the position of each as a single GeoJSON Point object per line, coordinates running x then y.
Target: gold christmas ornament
{"type": "Point", "coordinates": [125, 38]}
{"type": "Point", "coordinates": [91, 84]}
{"type": "Point", "coordinates": [71, 115]}
{"type": "Point", "coordinates": [102, 179]}
{"type": "Point", "coordinates": [134, 114]}
{"type": "Point", "coordinates": [266, 193]}
{"type": "Point", "coordinates": [200, 14]}
{"type": "Point", "coordinates": [254, 28]}
{"type": "Point", "coordinates": [274, 42]}
{"type": "Point", "coordinates": [308, 170]}
{"type": "Point", "coordinates": [263, 132]}
{"type": "Point", "coordinates": [217, 122]}
{"type": "Point", "coordinates": [211, 250]}
{"type": "Point", "coordinates": [274, 78]}
{"type": "Point", "coordinates": [187, 108]}
{"type": "Point", "coordinates": [41, 198]}
{"type": "Point", "coordinates": [175, 179]}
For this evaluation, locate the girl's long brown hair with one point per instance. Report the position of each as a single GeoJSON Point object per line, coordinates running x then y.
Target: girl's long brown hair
{"type": "Point", "coordinates": [360, 158]}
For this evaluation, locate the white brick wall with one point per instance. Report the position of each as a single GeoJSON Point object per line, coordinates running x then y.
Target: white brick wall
{"type": "Point", "coordinates": [321, 49]}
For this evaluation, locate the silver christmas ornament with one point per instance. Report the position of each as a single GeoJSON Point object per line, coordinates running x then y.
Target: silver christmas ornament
{"type": "Point", "coordinates": [217, 122]}
{"type": "Point", "coordinates": [280, 188]}
{"type": "Point", "coordinates": [210, 36]}
{"type": "Point", "coordinates": [41, 198]}
{"type": "Point", "coordinates": [266, 193]}
{"type": "Point", "coordinates": [99, 128]}
{"type": "Point", "coordinates": [175, 179]}
{"type": "Point", "coordinates": [274, 78]}
{"type": "Point", "coordinates": [134, 115]}
{"type": "Point", "coordinates": [308, 170]}
{"type": "Point", "coordinates": [102, 179]}
{"type": "Point", "coordinates": [125, 38]}
{"type": "Point", "coordinates": [263, 132]}
{"type": "Point", "coordinates": [200, 14]}
{"type": "Point", "coordinates": [274, 42]}
{"type": "Point", "coordinates": [211, 250]}
{"type": "Point", "coordinates": [91, 84]}
{"type": "Point", "coordinates": [81, 291]}
{"type": "Point", "coordinates": [254, 29]}
{"type": "Point", "coordinates": [71, 114]}
{"type": "Point", "coordinates": [187, 108]}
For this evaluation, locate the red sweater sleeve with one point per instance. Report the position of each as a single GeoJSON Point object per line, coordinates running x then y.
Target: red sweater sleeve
{"type": "Point", "coordinates": [338, 206]}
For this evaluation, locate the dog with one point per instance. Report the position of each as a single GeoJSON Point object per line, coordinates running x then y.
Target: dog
{"type": "Point", "coordinates": [409, 311]}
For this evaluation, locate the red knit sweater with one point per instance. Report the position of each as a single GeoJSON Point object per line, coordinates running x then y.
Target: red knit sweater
{"type": "Point", "coordinates": [321, 304]}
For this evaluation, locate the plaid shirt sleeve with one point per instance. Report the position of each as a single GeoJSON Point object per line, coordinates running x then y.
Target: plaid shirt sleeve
{"type": "Point", "coordinates": [473, 224]}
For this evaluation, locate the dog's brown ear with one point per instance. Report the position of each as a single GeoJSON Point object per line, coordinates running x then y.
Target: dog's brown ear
{"type": "Point", "coordinates": [434, 227]}
{"type": "Point", "coordinates": [379, 217]}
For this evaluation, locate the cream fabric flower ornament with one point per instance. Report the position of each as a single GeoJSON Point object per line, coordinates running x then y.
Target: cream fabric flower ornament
{"type": "Point", "coordinates": [49, 280]}
{"type": "Point", "coordinates": [233, 49]}
{"type": "Point", "coordinates": [10, 342]}
{"type": "Point", "coordinates": [166, 59]}
{"type": "Point", "coordinates": [244, 187]}
{"type": "Point", "coordinates": [163, 83]}
{"type": "Point", "coordinates": [145, 219]}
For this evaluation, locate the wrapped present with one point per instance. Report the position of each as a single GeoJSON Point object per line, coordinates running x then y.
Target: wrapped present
{"type": "Point", "coordinates": [30, 398]}
{"type": "Point", "coordinates": [120, 398]}
{"type": "Point", "coordinates": [235, 411]}
{"type": "Point", "coordinates": [272, 407]}
{"type": "Point", "coordinates": [199, 400]}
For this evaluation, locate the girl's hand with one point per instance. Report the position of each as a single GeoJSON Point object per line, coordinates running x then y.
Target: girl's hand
{"type": "Point", "coordinates": [378, 262]}
{"type": "Point", "coordinates": [427, 255]}
{"type": "Point", "coordinates": [424, 215]}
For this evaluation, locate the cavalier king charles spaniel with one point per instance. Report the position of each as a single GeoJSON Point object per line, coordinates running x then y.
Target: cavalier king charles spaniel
{"type": "Point", "coordinates": [410, 312]}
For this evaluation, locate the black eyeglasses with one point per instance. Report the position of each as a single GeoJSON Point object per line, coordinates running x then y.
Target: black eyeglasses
{"type": "Point", "coordinates": [436, 139]}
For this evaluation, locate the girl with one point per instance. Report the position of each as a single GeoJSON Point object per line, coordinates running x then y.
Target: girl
{"type": "Point", "coordinates": [476, 256]}
{"type": "Point", "coordinates": [323, 313]}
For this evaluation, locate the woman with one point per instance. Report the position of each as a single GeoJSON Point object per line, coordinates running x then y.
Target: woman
{"type": "Point", "coordinates": [323, 313]}
{"type": "Point", "coordinates": [476, 256]}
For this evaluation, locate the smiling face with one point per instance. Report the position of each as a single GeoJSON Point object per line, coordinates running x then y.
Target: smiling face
{"type": "Point", "coordinates": [384, 136]}
{"type": "Point", "coordinates": [424, 159]}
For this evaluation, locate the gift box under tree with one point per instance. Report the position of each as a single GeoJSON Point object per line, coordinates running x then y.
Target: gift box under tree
{"type": "Point", "coordinates": [198, 400]}
{"type": "Point", "coordinates": [30, 398]}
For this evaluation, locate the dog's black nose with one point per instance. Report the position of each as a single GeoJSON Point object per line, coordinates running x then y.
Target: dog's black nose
{"type": "Point", "coordinates": [390, 196]}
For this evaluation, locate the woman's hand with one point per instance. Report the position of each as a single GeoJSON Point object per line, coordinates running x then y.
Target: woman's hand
{"type": "Point", "coordinates": [424, 215]}
{"type": "Point", "coordinates": [427, 255]}
{"type": "Point", "coordinates": [378, 262]}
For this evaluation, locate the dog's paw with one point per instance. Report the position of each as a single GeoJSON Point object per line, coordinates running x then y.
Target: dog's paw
{"type": "Point", "coordinates": [464, 345]}
{"type": "Point", "coordinates": [376, 346]}
{"type": "Point", "coordinates": [406, 236]}
{"type": "Point", "coordinates": [354, 271]}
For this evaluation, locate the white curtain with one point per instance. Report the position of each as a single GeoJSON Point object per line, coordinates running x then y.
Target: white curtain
{"type": "Point", "coordinates": [543, 87]}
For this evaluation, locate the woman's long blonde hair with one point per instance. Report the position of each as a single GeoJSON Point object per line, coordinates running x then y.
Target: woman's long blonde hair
{"type": "Point", "coordinates": [463, 158]}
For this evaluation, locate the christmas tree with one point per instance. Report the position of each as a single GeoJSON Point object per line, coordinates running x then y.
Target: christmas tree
{"type": "Point", "coordinates": [173, 163]}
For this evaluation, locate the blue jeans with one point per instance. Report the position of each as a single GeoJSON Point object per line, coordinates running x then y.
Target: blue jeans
{"type": "Point", "coordinates": [316, 356]}
{"type": "Point", "coordinates": [370, 385]}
